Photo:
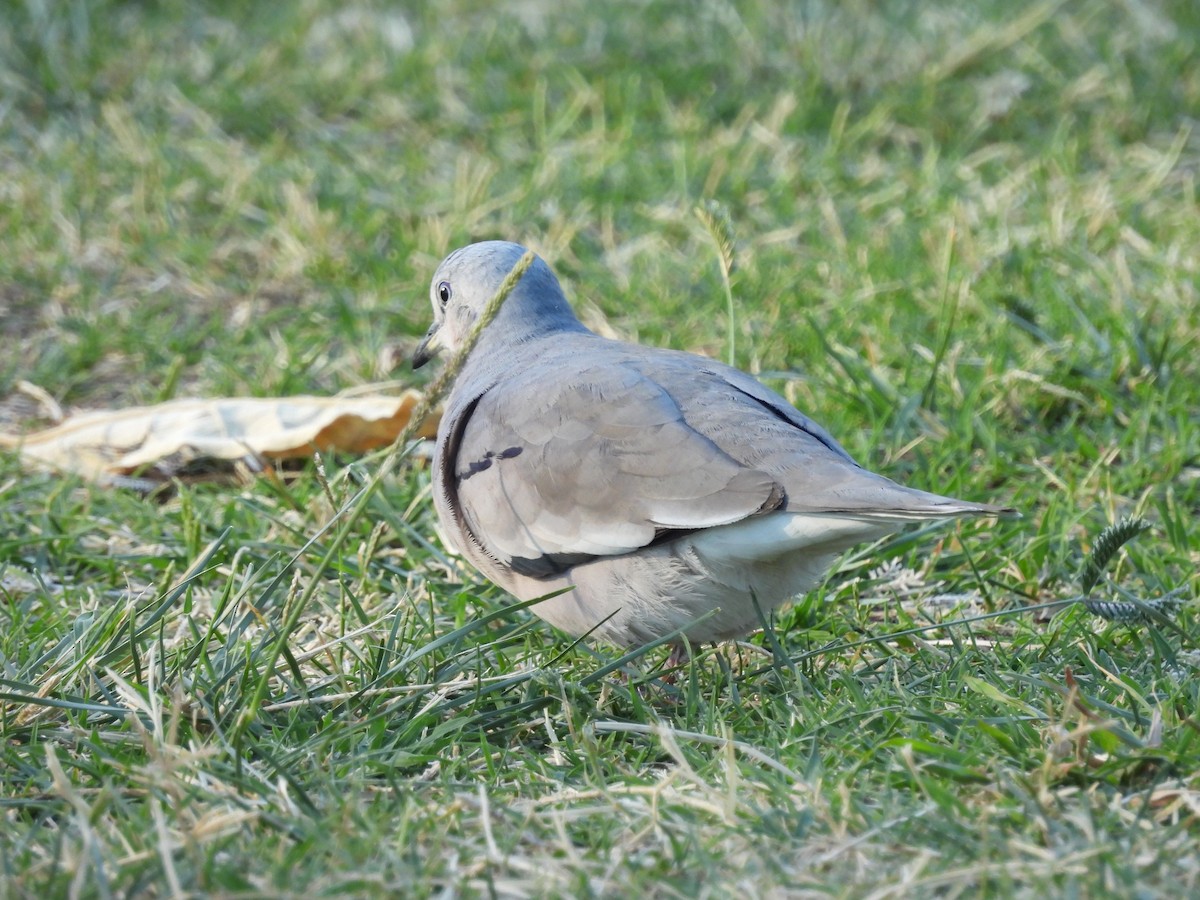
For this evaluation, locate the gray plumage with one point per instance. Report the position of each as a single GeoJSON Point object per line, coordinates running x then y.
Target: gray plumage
{"type": "Point", "coordinates": [660, 486]}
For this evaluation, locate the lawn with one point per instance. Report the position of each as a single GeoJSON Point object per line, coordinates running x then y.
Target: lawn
{"type": "Point", "coordinates": [965, 237]}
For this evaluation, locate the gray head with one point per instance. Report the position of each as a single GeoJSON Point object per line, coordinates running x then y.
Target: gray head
{"type": "Point", "coordinates": [467, 280]}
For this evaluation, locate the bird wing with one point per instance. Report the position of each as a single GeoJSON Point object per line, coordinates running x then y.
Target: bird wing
{"type": "Point", "coordinates": [589, 457]}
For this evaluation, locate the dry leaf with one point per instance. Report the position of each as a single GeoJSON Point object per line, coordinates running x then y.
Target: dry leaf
{"type": "Point", "coordinates": [157, 441]}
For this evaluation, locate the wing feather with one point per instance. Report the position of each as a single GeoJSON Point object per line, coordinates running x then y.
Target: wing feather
{"type": "Point", "coordinates": [598, 463]}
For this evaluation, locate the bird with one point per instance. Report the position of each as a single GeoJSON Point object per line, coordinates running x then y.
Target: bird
{"type": "Point", "coordinates": [650, 495]}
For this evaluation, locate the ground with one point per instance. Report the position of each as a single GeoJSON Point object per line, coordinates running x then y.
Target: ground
{"type": "Point", "coordinates": [963, 237]}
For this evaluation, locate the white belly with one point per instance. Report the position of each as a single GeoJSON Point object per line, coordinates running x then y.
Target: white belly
{"type": "Point", "coordinates": [706, 583]}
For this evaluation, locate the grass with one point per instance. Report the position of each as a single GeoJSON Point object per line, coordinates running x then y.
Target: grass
{"type": "Point", "coordinates": [964, 238]}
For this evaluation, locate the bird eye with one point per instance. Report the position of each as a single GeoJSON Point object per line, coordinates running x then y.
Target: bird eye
{"type": "Point", "coordinates": [444, 293]}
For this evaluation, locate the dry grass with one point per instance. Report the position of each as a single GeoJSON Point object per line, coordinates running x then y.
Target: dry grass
{"type": "Point", "coordinates": [962, 237]}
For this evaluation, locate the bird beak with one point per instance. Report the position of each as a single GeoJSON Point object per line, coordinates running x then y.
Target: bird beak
{"type": "Point", "coordinates": [428, 348]}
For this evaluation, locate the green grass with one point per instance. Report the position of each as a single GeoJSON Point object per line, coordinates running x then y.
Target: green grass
{"type": "Point", "coordinates": [966, 241]}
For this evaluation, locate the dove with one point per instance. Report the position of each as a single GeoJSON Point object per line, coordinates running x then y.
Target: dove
{"type": "Point", "coordinates": [662, 494]}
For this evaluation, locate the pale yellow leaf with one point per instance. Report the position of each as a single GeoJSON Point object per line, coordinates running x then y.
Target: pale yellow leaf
{"type": "Point", "coordinates": [104, 444]}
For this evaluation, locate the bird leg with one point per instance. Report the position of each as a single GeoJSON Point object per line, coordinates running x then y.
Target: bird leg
{"type": "Point", "coordinates": [681, 654]}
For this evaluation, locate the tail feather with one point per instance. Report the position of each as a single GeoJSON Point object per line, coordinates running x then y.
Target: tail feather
{"type": "Point", "coordinates": [821, 531]}
{"type": "Point", "coordinates": [951, 509]}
